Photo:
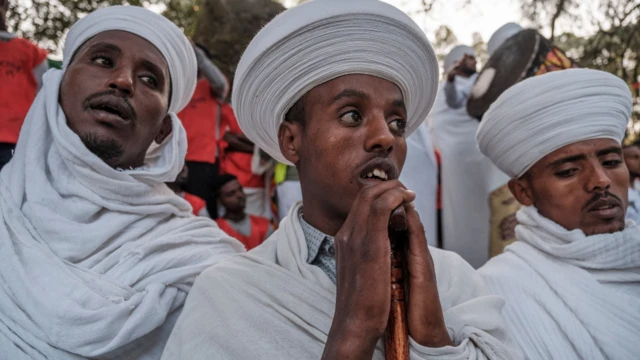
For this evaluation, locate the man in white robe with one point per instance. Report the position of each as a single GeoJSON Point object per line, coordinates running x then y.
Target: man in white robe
{"type": "Point", "coordinates": [467, 176]}
{"type": "Point", "coordinates": [420, 174]}
{"type": "Point", "coordinates": [334, 87]}
{"type": "Point", "coordinates": [97, 254]}
{"type": "Point", "coordinates": [571, 281]}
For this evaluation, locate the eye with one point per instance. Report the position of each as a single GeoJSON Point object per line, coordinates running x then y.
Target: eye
{"type": "Point", "coordinates": [102, 60]}
{"type": "Point", "coordinates": [351, 118]}
{"type": "Point", "coordinates": [398, 126]}
{"type": "Point", "coordinates": [612, 163]}
{"type": "Point", "coordinates": [566, 173]}
{"type": "Point", "coordinates": [150, 80]}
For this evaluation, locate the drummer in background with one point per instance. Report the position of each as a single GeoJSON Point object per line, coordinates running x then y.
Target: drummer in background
{"type": "Point", "coordinates": [460, 63]}
{"type": "Point", "coordinates": [501, 35]}
{"type": "Point", "coordinates": [467, 176]}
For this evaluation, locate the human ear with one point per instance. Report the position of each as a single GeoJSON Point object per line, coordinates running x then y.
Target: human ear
{"type": "Point", "coordinates": [165, 130]}
{"type": "Point", "coordinates": [521, 190]}
{"type": "Point", "coordinates": [289, 139]}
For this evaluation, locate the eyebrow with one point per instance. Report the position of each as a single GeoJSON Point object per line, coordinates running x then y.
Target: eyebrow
{"type": "Point", "coordinates": [574, 158]}
{"type": "Point", "coordinates": [350, 93]}
{"type": "Point", "coordinates": [400, 104]}
{"type": "Point", "coordinates": [567, 159]}
{"type": "Point", "coordinates": [610, 150]}
{"type": "Point", "coordinates": [103, 46]}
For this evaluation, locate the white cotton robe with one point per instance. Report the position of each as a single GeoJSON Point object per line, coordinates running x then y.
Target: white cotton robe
{"type": "Point", "coordinates": [420, 174]}
{"type": "Point", "coordinates": [94, 262]}
{"type": "Point", "coordinates": [569, 296]}
{"type": "Point", "coordinates": [467, 178]}
{"type": "Point", "coordinates": [271, 304]}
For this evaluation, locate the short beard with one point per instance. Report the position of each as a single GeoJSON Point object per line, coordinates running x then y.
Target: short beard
{"type": "Point", "coordinates": [468, 71]}
{"type": "Point", "coordinates": [108, 150]}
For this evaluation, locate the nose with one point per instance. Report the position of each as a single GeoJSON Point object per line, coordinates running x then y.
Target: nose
{"type": "Point", "coordinates": [122, 80]}
{"type": "Point", "coordinates": [379, 136]}
{"type": "Point", "coordinates": [598, 179]}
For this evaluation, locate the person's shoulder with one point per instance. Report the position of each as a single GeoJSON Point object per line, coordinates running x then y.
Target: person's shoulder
{"type": "Point", "coordinates": [260, 219]}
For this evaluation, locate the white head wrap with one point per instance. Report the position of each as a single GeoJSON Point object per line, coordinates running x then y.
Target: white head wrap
{"type": "Point", "coordinates": [501, 35]}
{"type": "Point", "coordinates": [321, 40]}
{"type": "Point", "coordinates": [456, 55]}
{"type": "Point", "coordinates": [156, 29]}
{"type": "Point", "coordinates": [545, 113]}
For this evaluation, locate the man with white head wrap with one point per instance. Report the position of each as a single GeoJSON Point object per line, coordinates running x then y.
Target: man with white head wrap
{"type": "Point", "coordinates": [97, 254]}
{"type": "Point", "coordinates": [334, 87]}
{"type": "Point", "coordinates": [467, 176]}
{"type": "Point", "coordinates": [501, 35]}
{"type": "Point", "coordinates": [572, 279]}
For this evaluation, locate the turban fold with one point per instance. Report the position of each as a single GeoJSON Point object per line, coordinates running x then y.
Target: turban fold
{"type": "Point", "coordinates": [456, 55]}
{"type": "Point", "coordinates": [545, 113]}
{"type": "Point", "coordinates": [501, 35]}
{"type": "Point", "coordinates": [321, 40]}
{"type": "Point", "coordinates": [154, 28]}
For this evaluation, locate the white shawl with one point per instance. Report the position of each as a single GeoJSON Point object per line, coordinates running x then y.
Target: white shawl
{"type": "Point", "coordinates": [92, 258]}
{"type": "Point", "coordinates": [570, 296]}
{"type": "Point", "coordinates": [468, 177]}
{"type": "Point", "coordinates": [271, 304]}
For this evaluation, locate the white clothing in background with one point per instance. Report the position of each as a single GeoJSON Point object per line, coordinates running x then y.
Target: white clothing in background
{"type": "Point", "coordinates": [420, 174]}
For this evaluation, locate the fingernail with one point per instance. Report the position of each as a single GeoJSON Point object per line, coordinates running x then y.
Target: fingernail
{"type": "Point", "coordinates": [410, 191]}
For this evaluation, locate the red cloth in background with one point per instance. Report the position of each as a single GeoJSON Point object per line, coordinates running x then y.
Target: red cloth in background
{"type": "Point", "coordinates": [259, 231]}
{"type": "Point", "coordinates": [196, 203]}
{"type": "Point", "coordinates": [235, 162]}
{"type": "Point", "coordinates": [18, 58]}
{"type": "Point", "coordinates": [199, 121]}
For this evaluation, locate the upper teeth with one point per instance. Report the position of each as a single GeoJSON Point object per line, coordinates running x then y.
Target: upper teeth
{"type": "Point", "coordinates": [381, 174]}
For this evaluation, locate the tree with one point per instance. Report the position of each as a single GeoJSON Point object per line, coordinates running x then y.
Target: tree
{"type": "Point", "coordinates": [46, 21]}
{"type": "Point", "coordinates": [445, 40]}
{"type": "Point", "coordinates": [480, 48]}
{"type": "Point", "coordinates": [542, 11]}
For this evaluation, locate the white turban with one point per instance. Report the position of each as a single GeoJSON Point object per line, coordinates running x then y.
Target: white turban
{"type": "Point", "coordinates": [456, 55]}
{"type": "Point", "coordinates": [321, 40]}
{"type": "Point", "coordinates": [501, 35]}
{"type": "Point", "coordinates": [156, 29]}
{"type": "Point", "coordinates": [545, 113]}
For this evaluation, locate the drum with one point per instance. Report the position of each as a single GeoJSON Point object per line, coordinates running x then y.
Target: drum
{"type": "Point", "coordinates": [523, 55]}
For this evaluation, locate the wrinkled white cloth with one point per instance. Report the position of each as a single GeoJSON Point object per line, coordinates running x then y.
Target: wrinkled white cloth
{"type": "Point", "coordinates": [501, 35]}
{"type": "Point", "coordinates": [633, 210]}
{"type": "Point", "coordinates": [321, 40]}
{"type": "Point", "coordinates": [580, 104]}
{"type": "Point", "coordinates": [570, 296]}
{"type": "Point", "coordinates": [420, 174]}
{"type": "Point", "coordinates": [156, 29]}
{"type": "Point", "coordinates": [271, 304]}
{"type": "Point", "coordinates": [456, 55]}
{"type": "Point", "coordinates": [94, 262]}
{"type": "Point", "coordinates": [467, 178]}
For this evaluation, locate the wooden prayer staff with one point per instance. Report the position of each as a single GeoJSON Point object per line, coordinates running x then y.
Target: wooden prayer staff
{"type": "Point", "coordinates": [396, 342]}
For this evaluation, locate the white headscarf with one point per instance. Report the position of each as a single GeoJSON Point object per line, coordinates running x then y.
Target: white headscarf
{"type": "Point", "coordinates": [544, 113]}
{"type": "Point", "coordinates": [501, 35]}
{"type": "Point", "coordinates": [456, 55]}
{"type": "Point", "coordinates": [156, 29]}
{"type": "Point", "coordinates": [321, 40]}
{"type": "Point", "coordinates": [94, 261]}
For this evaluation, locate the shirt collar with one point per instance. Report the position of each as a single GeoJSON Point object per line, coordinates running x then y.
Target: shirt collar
{"type": "Point", "coordinates": [314, 238]}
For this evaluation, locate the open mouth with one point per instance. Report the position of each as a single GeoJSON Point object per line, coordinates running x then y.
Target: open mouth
{"type": "Point", "coordinates": [109, 109]}
{"type": "Point", "coordinates": [377, 174]}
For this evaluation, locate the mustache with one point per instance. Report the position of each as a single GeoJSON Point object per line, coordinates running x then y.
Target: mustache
{"type": "Point", "coordinates": [596, 197]}
{"type": "Point", "coordinates": [86, 104]}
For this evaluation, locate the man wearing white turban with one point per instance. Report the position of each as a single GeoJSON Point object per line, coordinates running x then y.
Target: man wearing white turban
{"type": "Point", "coordinates": [572, 279]}
{"type": "Point", "coordinates": [467, 176]}
{"type": "Point", "coordinates": [333, 87]}
{"type": "Point", "coordinates": [97, 255]}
